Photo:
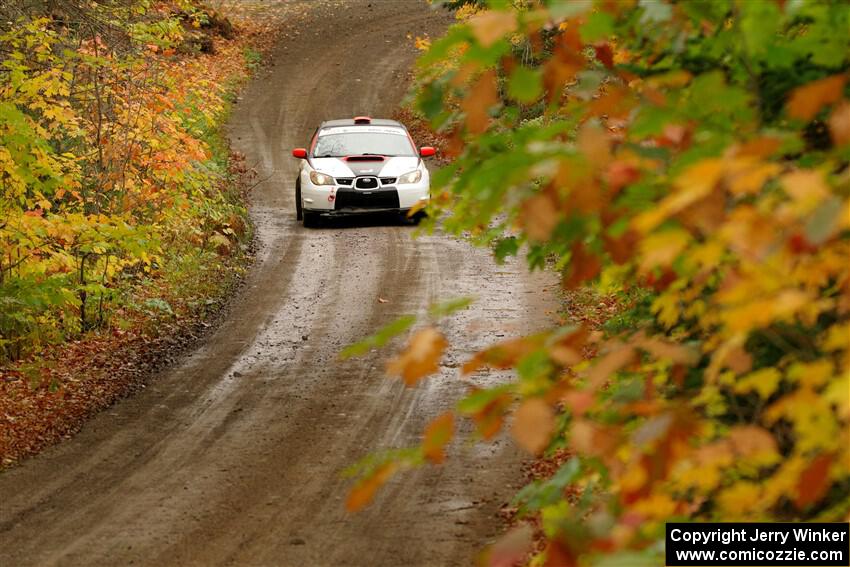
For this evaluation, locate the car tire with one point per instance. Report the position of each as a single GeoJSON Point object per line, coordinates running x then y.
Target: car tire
{"type": "Point", "coordinates": [417, 218]}
{"type": "Point", "coordinates": [311, 219]}
{"type": "Point", "coordinates": [299, 213]}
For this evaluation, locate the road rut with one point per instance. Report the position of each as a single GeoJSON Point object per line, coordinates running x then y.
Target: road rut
{"type": "Point", "coordinates": [232, 457]}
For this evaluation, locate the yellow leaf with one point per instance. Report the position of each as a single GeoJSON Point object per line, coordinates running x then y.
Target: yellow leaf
{"type": "Point", "coordinates": [764, 382]}
{"type": "Point", "coordinates": [534, 422]}
{"type": "Point", "coordinates": [633, 479]}
{"type": "Point", "coordinates": [811, 374]}
{"type": "Point", "coordinates": [746, 177]}
{"type": "Point", "coordinates": [690, 186]}
{"type": "Point", "coordinates": [837, 337]}
{"type": "Point", "coordinates": [837, 394]}
{"type": "Point", "coordinates": [658, 506]}
{"type": "Point", "coordinates": [660, 249]}
{"type": "Point", "coordinates": [741, 500]}
{"type": "Point", "coordinates": [805, 187]}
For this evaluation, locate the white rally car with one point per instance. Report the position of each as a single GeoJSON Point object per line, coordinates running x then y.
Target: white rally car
{"type": "Point", "coordinates": [360, 165]}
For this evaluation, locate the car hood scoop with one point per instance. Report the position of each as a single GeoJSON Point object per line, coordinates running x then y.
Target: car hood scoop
{"type": "Point", "coordinates": [364, 158]}
{"type": "Point", "coordinates": [355, 166]}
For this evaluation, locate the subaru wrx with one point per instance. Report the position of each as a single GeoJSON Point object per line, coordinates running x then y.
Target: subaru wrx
{"type": "Point", "coordinates": [360, 165]}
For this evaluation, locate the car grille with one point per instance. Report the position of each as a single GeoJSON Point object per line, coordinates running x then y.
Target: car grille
{"type": "Point", "coordinates": [387, 180]}
{"type": "Point", "coordinates": [378, 199]}
{"type": "Point", "coordinates": [344, 180]}
{"type": "Point", "coordinates": [366, 182]}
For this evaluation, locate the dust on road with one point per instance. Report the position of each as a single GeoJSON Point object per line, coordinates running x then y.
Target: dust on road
{"type": "Point", "coordinates": [233, 456]}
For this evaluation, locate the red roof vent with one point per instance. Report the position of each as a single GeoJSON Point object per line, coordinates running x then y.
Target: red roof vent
{"type": "Point", "coordinates": [362, 120]}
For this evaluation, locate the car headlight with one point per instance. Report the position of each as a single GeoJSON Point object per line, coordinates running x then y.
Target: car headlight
{"type": "Point", "coordinates": [410, 177]}
{"type": "Point", "coordinates": [320, 178]}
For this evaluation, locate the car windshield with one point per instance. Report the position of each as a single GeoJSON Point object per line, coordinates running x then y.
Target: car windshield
{"type": "Point", "coordinates": [341, 142]}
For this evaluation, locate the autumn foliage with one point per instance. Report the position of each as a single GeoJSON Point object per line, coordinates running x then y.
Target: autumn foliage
{"type": "Point", "coordinates": [108, 174]}
{"type": "Point", "coordinates": [692, 159]}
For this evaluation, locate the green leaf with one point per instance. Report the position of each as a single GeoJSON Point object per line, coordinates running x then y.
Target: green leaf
{"type": "Point", "coordinates": [525, 84]}
{"type": "Point", "coordinates": [448, 307]}
{"type": "Point", "coordinates": [477, 400]}
{"type": "Point", "coordinates": [599, 25]}
{"type": "Point", "coordinates": [759, 23]}
{"type": "Point", "coordinates": [505, 247]}
{"type": "Point", "coordinates": [542, 493]}
{"type": "Point", "coordinates": [379, 339]}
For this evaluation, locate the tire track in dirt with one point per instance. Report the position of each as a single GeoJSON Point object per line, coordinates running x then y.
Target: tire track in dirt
{"type": "Point", "coordinates": [233, 456]}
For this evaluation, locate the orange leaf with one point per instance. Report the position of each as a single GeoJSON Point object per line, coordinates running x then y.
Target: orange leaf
{"type": "Point", "coordinates": [806, 101]}
{"type": "Point", "coordinates": [564, 64]}
{"type": "Point", "coordinates": [491, 26]}
{"type": "Point", "coordinates": [739, 360]}
{"type": "Point", "coordinates": [559, 555]}
{"type": "Point", "coordinates": [578, 401]}
{"type": "Point", "coordinates": [539, 216]}
{"type": "Point", "coordinates": [814, 481]}
{"type": "Point", "coordinates": [759, 147]}
{"type": "Point", "coordinates": [421, 358]}
{"type": "Point", "coordinates": [534, 423]}
{"type": "Point", "coordinates": [839, 124]}
{"type": "Point", "coordinates": [502, 355]}
{"type": "Point", "coordinates": [594, 144]}
{"type": "Point", "coordinates": [752, 441]}
{"type": "Point", "coordinates": [621, 248]}
{"type": "Point", "coordinates": [590, 438]}
{"type": "Point", "coordinates": [610, 363]}
{"type": "Point", "coordinates": [511, 548]}
{"type": "Point", "coordinates": [478, 101]}
{"type": "Point", "coordinates": [664, 350]}
{"type": "Point", "coordinates": [437, 435]}
{"type": "Point", "coordinates": [582, 267]}
{"type": "Point", "coordinates": [489, 419]}
{"type": "Point", "coordinates": [746, 177]}
{"type": "Point", "coordinates": [364, 491]}
{"type": "Point", "coordinates": [620, 174]}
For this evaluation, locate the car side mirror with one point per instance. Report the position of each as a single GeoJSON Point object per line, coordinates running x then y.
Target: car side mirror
{"type": "Point", "coordinates": [427, 151]}
{"type": "Point", "coordinates": [300, 153]}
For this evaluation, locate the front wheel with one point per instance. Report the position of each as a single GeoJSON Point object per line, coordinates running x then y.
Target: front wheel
{"type": "Point", "coordinates": [299, 213]}
{"type": "Point", "coordinates": [311, 219]}
{"type": "Point", "coordinates": [416, 218]}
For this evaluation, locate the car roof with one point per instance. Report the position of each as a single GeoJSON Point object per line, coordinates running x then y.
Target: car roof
{"type": "Point", "coordinates": [351, 122]}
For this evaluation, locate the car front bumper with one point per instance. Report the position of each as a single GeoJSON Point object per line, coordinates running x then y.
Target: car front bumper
{"type": "Point", "coordinates": [338, 199]}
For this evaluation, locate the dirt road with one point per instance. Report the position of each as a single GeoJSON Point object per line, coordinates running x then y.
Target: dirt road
{"type": "Point", "coordinates": [233, 456]}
